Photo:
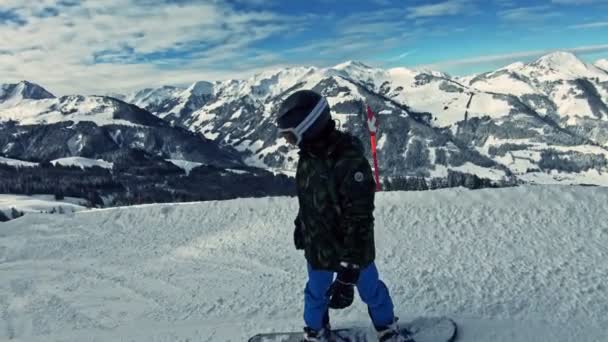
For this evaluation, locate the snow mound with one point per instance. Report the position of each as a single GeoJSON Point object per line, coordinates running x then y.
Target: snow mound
{"type": "Point", "coordinates": [518, 264]}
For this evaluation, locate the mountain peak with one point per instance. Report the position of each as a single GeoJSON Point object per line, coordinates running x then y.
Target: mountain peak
{"type": "Point", "coordinates": [564, 66]}
{"type": "Point", "coordinates": [559, 59]}
{"type": "Point", "coordinates": [23, 90]}
{"type": "Point", "coordinates": [201, 88]}
{"type": "Point", "coordinates": [352, 64]}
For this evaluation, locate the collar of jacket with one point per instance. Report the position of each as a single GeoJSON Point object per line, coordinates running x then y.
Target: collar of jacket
{"type": "Point", "coordinates": [323, 147]}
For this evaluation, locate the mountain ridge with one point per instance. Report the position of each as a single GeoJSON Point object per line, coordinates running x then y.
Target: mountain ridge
{"type": "Point", "coordinates": [546, 116]}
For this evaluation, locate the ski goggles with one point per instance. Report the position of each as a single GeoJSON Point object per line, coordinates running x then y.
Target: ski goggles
{"type": "Point", "coordinates": [294, 135]}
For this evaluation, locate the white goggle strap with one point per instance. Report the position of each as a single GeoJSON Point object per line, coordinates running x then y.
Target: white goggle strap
{"type": "Point", "coordinates": [310, 119]}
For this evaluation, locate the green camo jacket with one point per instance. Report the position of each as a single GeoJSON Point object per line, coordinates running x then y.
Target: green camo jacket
{"type": "Point", "coordinates": [336, 191]}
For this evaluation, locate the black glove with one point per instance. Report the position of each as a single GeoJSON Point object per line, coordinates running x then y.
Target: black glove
{"type": "Point", "coordinates": [342, 290]}
{"type": "Point", "coordinates": [298, 235]}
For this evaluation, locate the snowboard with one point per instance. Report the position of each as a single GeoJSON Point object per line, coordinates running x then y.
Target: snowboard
{"type": "Point", "coordinates": [423, 329]}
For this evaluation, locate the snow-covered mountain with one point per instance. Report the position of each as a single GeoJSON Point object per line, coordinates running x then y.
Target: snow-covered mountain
{"type": "Point", "coordinates": [35, 125]}
{"type": "Point", "coordinates": [544, 121]}
{"type": "Point", "coordinates": [23, 90]}
{"type": "Point", "coordinates": [76, 108]}
{"type": "Point", "coordinates": [172, 103]}
{"type": "Point", "coordinates": [558, 84]}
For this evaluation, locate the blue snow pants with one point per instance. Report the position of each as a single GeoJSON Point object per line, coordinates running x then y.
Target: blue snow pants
{"type": "Point", "coordinates": [372, 291]}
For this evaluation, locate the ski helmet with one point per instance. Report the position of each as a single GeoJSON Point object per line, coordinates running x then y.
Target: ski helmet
{"type": "Point", "coordinates": [303, 116]}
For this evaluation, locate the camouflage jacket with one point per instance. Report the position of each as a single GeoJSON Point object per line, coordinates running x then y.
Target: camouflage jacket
{"type": "Point", "coordinates": [336, 191]}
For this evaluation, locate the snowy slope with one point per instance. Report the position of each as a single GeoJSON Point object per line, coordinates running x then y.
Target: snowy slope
{"type": "Point", "coordinates": [16, 162]}
{"type": "Point", "coordinates": [518, 264]}
{"type": "Point", "coordinates": [40, 203]}
{"type": "Point", "coordinates": [82, 162]}
{"type": "Point", "coordinates": [97, 109]}
{"type": "Point", "coordinates": [602, 64]}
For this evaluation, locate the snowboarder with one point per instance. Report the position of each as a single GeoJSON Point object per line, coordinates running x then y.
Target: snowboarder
{"type": "Point", "coordinates": [335, 223]}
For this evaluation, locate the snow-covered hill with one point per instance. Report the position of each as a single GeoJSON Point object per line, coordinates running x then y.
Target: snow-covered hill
{"type": "Point", "coordinates": [518, 264]}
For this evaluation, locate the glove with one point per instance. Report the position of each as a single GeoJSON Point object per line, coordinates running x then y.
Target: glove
{"type": "Point", "coordinates": [298, 236]}
{"type": "Point", "coordinates": [342, 290]}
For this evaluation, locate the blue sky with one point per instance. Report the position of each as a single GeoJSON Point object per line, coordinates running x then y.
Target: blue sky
{"type": "Point", "coordinates": [78, 46]}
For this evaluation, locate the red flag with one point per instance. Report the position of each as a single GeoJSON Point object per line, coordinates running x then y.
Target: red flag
{"type": "Point", "coordinates": [372, 125]}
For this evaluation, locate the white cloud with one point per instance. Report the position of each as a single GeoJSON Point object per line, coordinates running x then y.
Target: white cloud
{"type": "Point", "coordinates": [446, 8]}
{"type": "Point", "coordinates": [598, 24]}
{"type": "Point", "coordinates": [357, 37]}
{"type": "Point", "coordinates": [402, 56]}
{"type": "Point", "coordinates": [136, 39]}
{"type": "Point", "coordinates": [532, 14]}
{"type": "Point", "coordinates": [578, 2]}
{"type": "Point", "coordinates": [510, 57]}
{"type": "Point", "coordinates": [505, 3]}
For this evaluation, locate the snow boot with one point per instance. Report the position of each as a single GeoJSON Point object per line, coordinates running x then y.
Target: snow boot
{"type": "Point", "coordinates": [311, 335]}
{"type": "Point", "coordinates": [392, 333]}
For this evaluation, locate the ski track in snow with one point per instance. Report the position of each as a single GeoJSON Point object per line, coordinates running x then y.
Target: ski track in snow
{"type": "Point", "coordinates": [519, 264]}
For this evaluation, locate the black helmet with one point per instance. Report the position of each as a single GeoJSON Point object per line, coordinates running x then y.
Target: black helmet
{"type": "Point", "coordinates": [303, 116]}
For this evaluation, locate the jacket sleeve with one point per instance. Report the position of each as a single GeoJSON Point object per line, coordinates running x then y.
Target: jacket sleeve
{"type": "Point", "coordinates": [356, 191]}
{"type": "Point", "coordinates": [298, 235]}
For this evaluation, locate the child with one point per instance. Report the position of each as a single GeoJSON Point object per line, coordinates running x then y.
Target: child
{"type": "Point", "coordinates": [335, 223]}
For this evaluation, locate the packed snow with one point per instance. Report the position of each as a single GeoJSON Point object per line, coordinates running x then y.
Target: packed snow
{"type": "Point", "coordinates": [83, 162]}
{"type": "Point", "coordinates": [517, 264]}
